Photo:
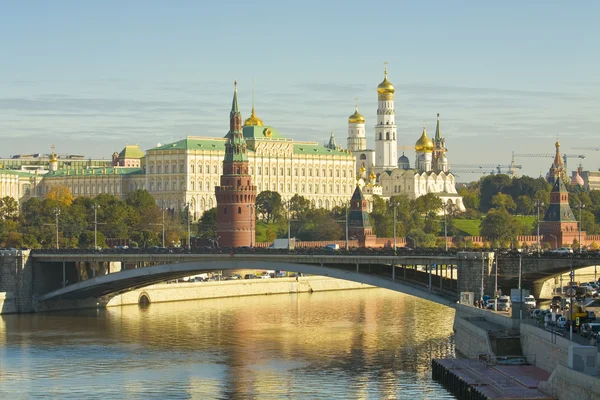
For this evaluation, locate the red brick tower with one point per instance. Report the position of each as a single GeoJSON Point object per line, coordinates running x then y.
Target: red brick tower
{"type": "Point", "coordinates": [559, 226]}
{"type": "Point", "coordinates": [236, 196]}
{"type": "Point", "coordinates": [359, 224]}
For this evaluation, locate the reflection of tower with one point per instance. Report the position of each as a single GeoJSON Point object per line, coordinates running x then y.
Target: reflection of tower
{"type": "Point", "coordinates": [559, 225]}
{"type": "Point", "coordinates": [234, 217]}
{"type": "Point", "coordinates": [357, 139]}
{"type": "Point", "coordinates": [53, 163]}
{"type": "Point", "coordinates": [359, 224]}
{"type": "Point", "coordinates": [439, 160]}
{"type": "Point", "coordinates": [557, 168]}
{"type": "Point", "coordinates": [423, 148]}
{"type": "Point", "coordinates": [386, 149]}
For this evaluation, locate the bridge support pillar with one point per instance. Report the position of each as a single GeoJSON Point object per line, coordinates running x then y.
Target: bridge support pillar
{"type": "Point", "coordinates": [64, 277]}
{"type": "Point", "coordinates": [441, 277]}
{"type": "Point", "coordinates": [404, 271]}
{"type": "Point", "coordinates": [393, 272]}
{"type": "Point", "coordinates": [429, 286]}
{"type": "Point", "coordinates": [357, 268]}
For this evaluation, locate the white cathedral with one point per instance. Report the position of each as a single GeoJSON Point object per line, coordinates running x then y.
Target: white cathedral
{"type": "Point", "coordinates": [389, 175]}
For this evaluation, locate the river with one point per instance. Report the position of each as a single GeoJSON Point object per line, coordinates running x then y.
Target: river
{"type": "Point", "coordinates": [355, 344]}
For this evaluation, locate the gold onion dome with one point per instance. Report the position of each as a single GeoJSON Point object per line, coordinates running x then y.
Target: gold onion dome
{"type": "Point", "coordinates": [372, 175]}
{"type": "Point", "coordinates": [356, 118]}
{"type": "Point", "coordinates": [424, 144]}
{"type": "Point", "coordinates": [253, 120]}
{"type": "Point", "coordinates": [386, 86]}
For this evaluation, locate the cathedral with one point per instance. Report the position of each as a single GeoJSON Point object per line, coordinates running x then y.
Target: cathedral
{"type": "Point", "coordinates": [390, 176]}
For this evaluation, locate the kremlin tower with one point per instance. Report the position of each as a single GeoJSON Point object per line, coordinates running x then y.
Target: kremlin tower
{"type": "Point", "coordinates": [236, 196]}
{"type": "Point", "coordinates": [386, 147]}
{"type": "Point", "coordinates": [359, 224]}
{"type": "Point", "coordinates": [557, 168]}
{"type": "Point", "coordinates": [559, 226]}
{"type": "Point", "coordinates": [439, 162]}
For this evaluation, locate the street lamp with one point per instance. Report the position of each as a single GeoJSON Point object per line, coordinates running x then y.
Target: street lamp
{"type": "Point", "coordinates": [56, 214]}
{"type": "Point", "coordinates": [445, 228]}
{"type": "Point", "coordinates": [538, 204]}
{"type": "Point", "coordinates": [394, 228]}
{"type": "Point", "coordinates": [95, 207]}
{"type": "Point", "coordinates": [580, 207]}
{"type": "Point", "coordinates": [251, 207]}
{"type": "Point", "coordinates": [189, 241]}
{"type": "Point", "coordinates": [555, 241]}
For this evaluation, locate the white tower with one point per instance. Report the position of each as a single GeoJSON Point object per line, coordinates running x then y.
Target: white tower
{"type": "Point", "coordinates": [53, 162]}
{"type": "Point", "coordinates": [386, 148]}
{"type": "Point", "coordinates": [423, 148]}
{"type": "Point", "coordinates": [357, 138]}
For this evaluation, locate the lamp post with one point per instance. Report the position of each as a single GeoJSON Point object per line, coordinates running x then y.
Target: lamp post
{"type": "Point", "coordinates": [394, 228]}
{"type": "Point", "coordinates": [95, 207]}
{"type": "Point", "coordinates": [580, 207]}
{"type": "Point", "coordinates": [520, 287]}
{"type": "Point", "coordinates": [571, 301]}
{"type": "Point", "coordinates": [56, 214]}
{"type": "Point", "coordinates": [445, 229]}
{"type": "Point", "coordinates": [251, 207]}
{"type": "Point", "coordinates": [496, 284]}
{"type": "Point", "coordinates": [555, 241]}
{"type": "Point", "coordinates": [163, 227]}
{"type": "Point", "coordinates": [189, 239]}
{"type": "Point", "coordinates": [290, 226]}
{"type": "Point", "coordinates": [482, 274]}
{"type": "Point", "coordinates": [538, 204]}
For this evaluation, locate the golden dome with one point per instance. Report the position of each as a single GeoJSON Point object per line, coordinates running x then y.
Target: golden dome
{"type": "Point", "coordinates": [372, 175]}
{"type": "Point", "coordinates": [253, 120]}
{"type": "Point", "coordinates": [385, 88]}
{"type": "Point", "coordinates": [424, 144]}
{"type": "Point", "coordinates": [356, 118]}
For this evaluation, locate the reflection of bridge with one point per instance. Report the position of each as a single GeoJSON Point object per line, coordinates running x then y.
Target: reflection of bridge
{"type": "Point", "coordinates": [391, 272]}
{"type": "Point", "coordinates": [48, 275]}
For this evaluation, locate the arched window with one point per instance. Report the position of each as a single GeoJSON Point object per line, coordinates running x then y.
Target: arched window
{"type": "Point", "coordinates": [380, 136]}
{"type": "Point", "coordinates": [363, 156]}
{"type": "Point", "coordinates": [387, 136]}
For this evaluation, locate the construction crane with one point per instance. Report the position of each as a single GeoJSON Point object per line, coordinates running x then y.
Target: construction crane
{"type": "Point", "coordinates": [510, 169]}
{"type": "Point", "coordinates": [564, 156]}
{"type": "Point", "coordinates": [586, 148]}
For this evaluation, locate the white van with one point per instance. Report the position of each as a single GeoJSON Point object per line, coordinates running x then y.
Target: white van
{"type": "Point", "coordinates": [503, 303]}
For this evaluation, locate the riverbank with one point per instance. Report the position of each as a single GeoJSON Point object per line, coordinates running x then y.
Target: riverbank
{"type": "Point", "coordinates": [167, 292]}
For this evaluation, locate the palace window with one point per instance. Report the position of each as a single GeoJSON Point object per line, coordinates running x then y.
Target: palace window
{"type": "Point", "coordinates": [174, 186]}
{"type": "Point", "coordinates": [296, 171]}
{"type": "Point", "coordinates": [309, 188]}
{"type": "Point", "coordinates": [337, 188]}
{"type": "Point", "coordinates": [181, 168]}
{"type": "Point", "coordinates": [344, 173]}
{"type": "Point", "coordinates": [199, 168]}
{"type": "Point", "coordinates": [337, 173]}
{"type": "Point", "coordinates": [289, 188]}
{"type": "Point", "coordinates": [151, 168]}
{"type": "Point", "coordinates": [303, 188]}
{"type": "Point", "coordinates": [259, 170]}
{"type": "Point", "coordinates": [173, 168]}
{"type": "Point", "coordinates": [281, 171]}
{"type": "Point", "coordinates": [310, 172]}
{"type": "Point", "coordinates": [303, 172]}
{"type": "Point", "coordinates": [214, 169]}
{"type": "Point", "coordinates": [330, 188]}
{"type": "Point", "coordinates": [330, 173]}
{"type": "Point", "coordinates": [289, 172]}
{"type": "Point", "coordinates": [274, 171]}
{"type": "Point", "coordinates": [159, 169]}
{"type": "Point", "coordinates": [316, 171]}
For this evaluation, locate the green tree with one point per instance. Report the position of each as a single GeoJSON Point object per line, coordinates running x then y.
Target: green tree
{"type": "Point", "coordinates": [503, 201]}
{"type": "Point", "coordinates": [269, 205]}
{"type": "Point", "coordinates": [491, 185]}
{"type": "Point", "coordinates": [207, 226]}
{"type": "Point", "coordinates": [499, 225]}
{"type": "Point", "coordinates": [9, 208]}
{"type": "Point", "coordinates": [524, 205]}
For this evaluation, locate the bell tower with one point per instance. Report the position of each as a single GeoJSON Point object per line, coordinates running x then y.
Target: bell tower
{"type": "Point", "coordinates": [236, 196]}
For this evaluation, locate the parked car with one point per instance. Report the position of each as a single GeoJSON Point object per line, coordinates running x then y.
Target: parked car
{"type": "Point", "coordinates": [561, 322]}
{"type": "Point", "coordinates": [591, 316]}
{"type": "Point", "coordinates": [589, 328]}
{"type": "Point", "coordinates": [490, 304]}
{"type": "Point", "coordinates": [504, 303]}
{"type": "Point", "coordinates": [563, 250]}
{"type": "Point", "coordinates": [265, 275]}
{"type": "Point", "coordinates": [530, 301]}
{"type": "Point", "coordinates": [250, 276]}
{"type": "Point", "coordinates": [534, 312]}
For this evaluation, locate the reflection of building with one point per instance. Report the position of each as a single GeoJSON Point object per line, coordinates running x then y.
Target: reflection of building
{"type": "Point", "coordinates": [393, 176]}
{"type": "Point", "coordinates": [559, 226]}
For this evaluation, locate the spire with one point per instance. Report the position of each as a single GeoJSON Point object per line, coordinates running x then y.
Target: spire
{"type": "Point", "coordinates": [331, 145]}
{"type": "Point", "coordinates": [253, 120]}
{"type": "Point", "coordinates": [557, 157]}
{"type": "Point", "coordinates": [234, 103]}
{"type": "Point", "coordinates": [438, 132]}
{"type": "Point", "coordinates": [235, 148]}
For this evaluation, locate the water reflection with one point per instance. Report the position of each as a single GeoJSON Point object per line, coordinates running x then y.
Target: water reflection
{"type": "Point", "coordinates": [353, 344]}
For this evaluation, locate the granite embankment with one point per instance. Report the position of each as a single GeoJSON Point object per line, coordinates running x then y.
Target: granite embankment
{"type": "Point", "coordinates": [166, 292]}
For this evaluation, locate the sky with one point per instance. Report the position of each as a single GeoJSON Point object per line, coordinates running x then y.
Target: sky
{"type": "Point", "coordinates": [90, 77]}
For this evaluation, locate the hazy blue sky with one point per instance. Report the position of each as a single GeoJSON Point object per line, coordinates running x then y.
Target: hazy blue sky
{"type": "Point", "coordinates": [92, 76]}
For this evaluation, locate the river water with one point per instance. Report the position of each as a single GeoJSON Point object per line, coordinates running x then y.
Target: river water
{"type": "Point", "coordinates": [356, 344]}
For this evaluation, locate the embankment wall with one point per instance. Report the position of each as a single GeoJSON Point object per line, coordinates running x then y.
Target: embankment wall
{"type": "Point", "coordinates": [244, 287]}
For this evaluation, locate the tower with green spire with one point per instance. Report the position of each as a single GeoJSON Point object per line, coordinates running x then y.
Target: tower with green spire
{"type": "Point", "coordinates": [236, 196]}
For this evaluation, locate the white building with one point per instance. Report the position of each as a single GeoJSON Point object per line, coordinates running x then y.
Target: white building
{"type": "Point", "coordinates": [390, 175]}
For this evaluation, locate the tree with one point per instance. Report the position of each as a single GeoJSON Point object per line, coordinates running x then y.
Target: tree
{"type": "Point", "coordinates": [207, 226]}
{"type": "Point", "coordinates": [498, 225]}
{"type": "Point", "coordinates": [9, 208]}
{"type": "Point", "coordinates": [269, 205]}
{"type": "Point", "coordinates": [503, 201]}
{"type": "Point", "coordinates": [524, 205]}
{"type": "Point", "coordinates": [490, 186]}
{"type": "Point", "coordinates": [61, 194]}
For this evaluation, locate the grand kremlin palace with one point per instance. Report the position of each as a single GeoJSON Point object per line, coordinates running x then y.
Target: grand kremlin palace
{"type": "Point", "coordinates": [187, 171]}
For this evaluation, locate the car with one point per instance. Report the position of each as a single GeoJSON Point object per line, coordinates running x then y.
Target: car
{"type": "Point", "coordinates": [563, 250]}
{"type": "Point", "coordinates": [534, 312]}
{"type": "Point", "coordinates": [250, 276]}
{"type": "Point", "coordinates": [265, 276]}
{"type": "Point", "coordinates": [561, 322]}
{"type": "Point", "coordinates": [591, 315]}
{"type": "Point", "coordinates": [490, 305]}
{"type": "Point", "coordinates": [332, 247]}
{"type": "Point", "coordinates": [530, 301]}
{"type": "Point", "coordinates": [589, 328]}
{"type": "Point", "coordinates": [503, 303]}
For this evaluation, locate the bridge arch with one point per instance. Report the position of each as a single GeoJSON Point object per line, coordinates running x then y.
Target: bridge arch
{"type": "Point", "coordinates": [132, 279]}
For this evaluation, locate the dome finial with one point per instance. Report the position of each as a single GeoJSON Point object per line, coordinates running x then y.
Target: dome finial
{"type": "Point", "coordinates": [385, 63]}
{"type": "Point", "coordinates": [356, 104]}
{"type": "Point", "coordinates": [253, 120]}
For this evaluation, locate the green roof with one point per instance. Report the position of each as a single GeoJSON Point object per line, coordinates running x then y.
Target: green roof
{"type": "Point", "coordinates": [16, 172]}
{"type": "Point", "coordinates": [131, 151]}
{"type": "Point", "coordinates": [195, 144]}
{"type": "Point", "coordinates": [311, 148]}
{"type": "Point", "coordinates": [94, 172]}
